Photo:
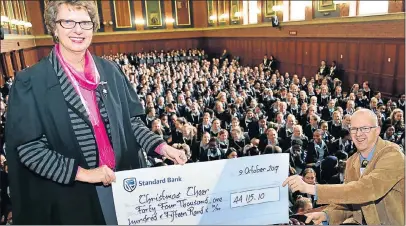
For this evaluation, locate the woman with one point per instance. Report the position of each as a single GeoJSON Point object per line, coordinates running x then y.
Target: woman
{"type": "Point", "coordinates": [309, 176]}
{"type": "Point", "coordinates": [231, 153]}
{"type": "Point", "coordinates": [73, 120]}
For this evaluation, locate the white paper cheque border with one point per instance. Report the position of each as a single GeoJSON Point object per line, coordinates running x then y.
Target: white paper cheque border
{"type": "Point", "coordinates": [236, 191]}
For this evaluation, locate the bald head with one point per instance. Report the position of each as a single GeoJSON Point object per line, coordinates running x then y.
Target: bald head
{"type": "Point", "coordinates": [365, 115]}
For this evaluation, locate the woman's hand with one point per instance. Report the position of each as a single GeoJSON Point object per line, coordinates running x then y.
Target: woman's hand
{"type": "Point", "coordinates": [176, 155]}
{"type": "Point", "coordinates": [102, 174]}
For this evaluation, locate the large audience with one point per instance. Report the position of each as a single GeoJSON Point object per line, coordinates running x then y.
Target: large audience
{"type": "Point", "coordinates": [215, 108]}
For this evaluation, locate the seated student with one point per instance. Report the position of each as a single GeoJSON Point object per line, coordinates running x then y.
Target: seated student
{"type": "Point", "coordinates": [312, 126]}
{"type": "Point", "coordinates": [334, 126]}
{"type": "Point", "coordinates": [326, 136]}
{"type": "Point", "coordinates": [296, 135]}
{"type": "Point", "coordinates": [239, 140]}
{"type": "Point", "coordinates": [271, 139]}
{"type": "Point", "coordinates": [271, 149]}
{"type": "Point", "coordinates": [310, 177]}
{"type": "Point", "coordinates": [303, 205]}
{"type": "Point", "coordinates": [327, 112]}
{"type": "Point", "coordinates": [317, 150]}
{"type": "Point", "coordinates": [213, 151]}
{"type": "Point", "coordinates": [329, 173]}
{"type": "Point", "coordinates": [342, 144]}
{"type": "Point", "coordinates": [231, 153]}
{"type": "Point", "coordinates": [389, 133]}
{"type": "Point", "coordinates": [297, 156]}
{"type": "Point", "coordinates": [287, 130]}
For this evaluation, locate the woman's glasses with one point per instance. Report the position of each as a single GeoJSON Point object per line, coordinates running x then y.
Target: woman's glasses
{"type": "Point", "coordinates": [70, 24]}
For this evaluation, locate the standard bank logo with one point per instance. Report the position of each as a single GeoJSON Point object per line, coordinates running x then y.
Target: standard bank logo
{"type": "Point", "coordinates": [130, 184]}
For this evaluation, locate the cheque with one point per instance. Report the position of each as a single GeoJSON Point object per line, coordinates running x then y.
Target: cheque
{"type": "Point", "coordinates": [235, 191]}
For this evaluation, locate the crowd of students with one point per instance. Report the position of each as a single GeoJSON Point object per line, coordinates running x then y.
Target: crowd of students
{"type": "Point", "coordinates": [218, 109]}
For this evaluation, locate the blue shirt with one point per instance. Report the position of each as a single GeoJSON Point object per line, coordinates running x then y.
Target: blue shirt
{"type": "Point", "coordinates": [368, 158]}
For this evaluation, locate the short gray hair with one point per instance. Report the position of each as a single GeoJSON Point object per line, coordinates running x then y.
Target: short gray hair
{"type": "Point", "coordinates": [51, 13]}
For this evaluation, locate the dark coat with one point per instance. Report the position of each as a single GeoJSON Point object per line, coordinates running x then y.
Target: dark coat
{"type": "Point", "coordinates": [36, 107]}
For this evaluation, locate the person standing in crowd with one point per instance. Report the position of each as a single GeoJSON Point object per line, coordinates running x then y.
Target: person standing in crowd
{"type": "Point", "coordinates": [73, 120]}
{"type": "Point", "coordinates": [374, 188]}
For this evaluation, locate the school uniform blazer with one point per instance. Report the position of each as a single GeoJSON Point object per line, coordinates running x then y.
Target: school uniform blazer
{"type": "Point", "coordinates": [49, 135]}
{"type": "Point", "coordinates": [378, 194]}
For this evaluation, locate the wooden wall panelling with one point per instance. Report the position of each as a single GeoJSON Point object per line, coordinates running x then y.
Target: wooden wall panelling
{"type": "Point", "coordinates": [123, 47]}
{"type": "Point", "coordinates": [323, 52]}
{"type": "Point", "coordinates": [181, 13]}
{"type": "Point", "coordinates": [375, 59]}
{"type": "Point", "coordinates": [114, 48]}
{"type": "Point", "coordinates": [122, 13]}
{"type": "Point", "coordinates": [15, 43]}
{"type": "Point", "coordinates": [331, 52]}
{"type": "Point", "coordinates": [389, 59]}
{"type": "Point", "coordinates": [168, 14]}
{"type": "Point", "coordinates": [139, 15]}
{"type": "Point", "coordinates": [315, 58]}
{"type": "Point", "coordinates": [30, 56]}
{"type": "Point", "coordinates": [291, 60]}
{"type": "Point", "coordinates": [299, 58]}
{"type": "Point", "coordinates": [22, 59]}
{"type": "Point", "coordinates": [9, 65]}
{"type": "Point", "coordinates": [342, 55]}
{"type": "Point", "coordinates": [399, 81]}
{"type": "Point", "coordinates": [306, 59]}
{"type": "Point", "coordinates": [353, 53]}
{"type": "Point", "coordinates": [199, 14]}
{"type": "Point", "coordinates": [17, 60]}
{"type": "Point", "coordinates": [107, 15]}
{"type": "Point", "coordinates": [107, 50]}
{"type": "Point", "coordinates": [363, 61]}
{"type": "Point", "coordinates": [396, 6]}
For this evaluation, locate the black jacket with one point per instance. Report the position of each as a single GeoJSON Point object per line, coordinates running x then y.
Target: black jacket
{"type": "Point", "coordinates": [36, 107]}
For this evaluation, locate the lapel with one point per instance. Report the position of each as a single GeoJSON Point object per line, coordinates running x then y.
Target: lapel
{"type": "Point", "coordinates": [110, 96]}
{"type": "Point", "coordinates": [69, 93]}
{"type": "Point", "coordinates": [357, 166]}
{"type": "Point", "coordinates": [57, 111]}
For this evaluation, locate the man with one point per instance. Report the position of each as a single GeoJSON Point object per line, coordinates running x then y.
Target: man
{"type": "Point", "coordinates": [373, 191]}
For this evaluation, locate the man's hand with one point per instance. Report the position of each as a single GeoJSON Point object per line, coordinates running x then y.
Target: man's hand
{"type": "Point", "coordinates": [316, 217]}
{"type": "Point", "coordinates": [102, 174]}
{"type": "Point", "coordinates": [177, 156]}
{"type": "Point", "coordinates": [296, 183]}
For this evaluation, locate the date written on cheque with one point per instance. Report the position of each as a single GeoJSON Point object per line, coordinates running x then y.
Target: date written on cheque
{"type": "Point", "coordinates": [257, 169]}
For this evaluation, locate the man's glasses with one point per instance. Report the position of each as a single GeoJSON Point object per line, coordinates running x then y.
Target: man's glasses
{"type": "Point", "coordinates": [70, 24]}
{"type": "Point", "coordinates": [364, 129]}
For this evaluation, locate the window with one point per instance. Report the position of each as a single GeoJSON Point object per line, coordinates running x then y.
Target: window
{"type": "Point", "coordinates": [245, 12]}
{"type": "Point", "coordinates": [250, 12]}
{"type": "Point", "coordinates": [298, 9]}
{"type": "Point", "coordinates": [353, 8]}
{"type": "Point", "coordinates": [372, 7]}
{"type": "Point", "coordinates": [285, 10]}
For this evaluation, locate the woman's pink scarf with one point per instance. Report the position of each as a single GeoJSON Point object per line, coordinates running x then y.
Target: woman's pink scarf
{"type": "Point", "coordinates": [85, 84]}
